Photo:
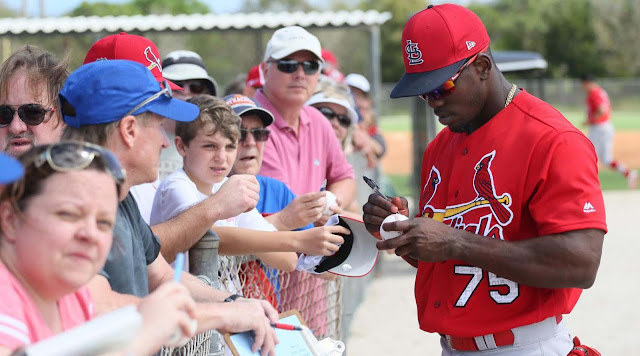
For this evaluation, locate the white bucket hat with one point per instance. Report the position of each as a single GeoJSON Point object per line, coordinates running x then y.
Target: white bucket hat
{"type": "Point", "coordinates": [187, 65]}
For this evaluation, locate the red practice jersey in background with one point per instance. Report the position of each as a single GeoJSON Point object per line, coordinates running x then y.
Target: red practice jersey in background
{"type": "Point", "coordinates": [526, 173]}
{"type": "Point", "coordinates": [598, 98]}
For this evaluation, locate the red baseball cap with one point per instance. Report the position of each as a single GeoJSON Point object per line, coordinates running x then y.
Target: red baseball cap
{"type": "Point", "coordinates": [436, 43]}
{"type": "Point", "coordinates": [130, 47]}
{"type": "Point", "coordinates": [254, 77]}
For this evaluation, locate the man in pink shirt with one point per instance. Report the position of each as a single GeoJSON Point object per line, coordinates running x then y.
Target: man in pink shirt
{"type": "Point", "coordinates": [302, 150]}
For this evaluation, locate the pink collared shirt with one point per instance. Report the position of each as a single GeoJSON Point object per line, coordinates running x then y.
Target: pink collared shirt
{"type": "Point", "coordinates": [303, 160]}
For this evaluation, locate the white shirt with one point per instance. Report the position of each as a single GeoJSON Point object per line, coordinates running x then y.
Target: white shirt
{"type": "Point", "coordinates": [177, 193]}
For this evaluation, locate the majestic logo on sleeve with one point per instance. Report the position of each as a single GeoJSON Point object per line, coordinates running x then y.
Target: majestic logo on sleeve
{"type": "Point", "coordinates": [154, 62]}
{"type": "Point", "coordinates": [414, 55]}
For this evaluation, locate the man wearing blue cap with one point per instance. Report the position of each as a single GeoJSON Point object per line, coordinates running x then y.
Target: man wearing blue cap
{"type": "Point", "coordinates": [120, 105]}
{"type": "Point", "coordinates": [10, 170]}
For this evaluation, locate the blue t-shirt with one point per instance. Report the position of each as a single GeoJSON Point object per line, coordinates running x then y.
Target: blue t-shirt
{"type": "Point", "coordinates": [274, 196]}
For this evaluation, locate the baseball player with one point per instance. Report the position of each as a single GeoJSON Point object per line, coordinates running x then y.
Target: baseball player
{"type": "Point", "coordinates": [511, 221]}
{"type": "Point", "coordinates": [601, 129]}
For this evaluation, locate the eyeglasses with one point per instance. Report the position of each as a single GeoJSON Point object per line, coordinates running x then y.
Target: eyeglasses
{"type": "Point", "coordinates": [343, 120]}
{"type": "Point", "coordinates": [30, 114]}
{"type": "Point", "coordinates": [68, 156]}
{"type": "Point", "coordinates": [291, 66]}
{"type": "Point", "coordinates": [449, 86]}
{"type": "Point", "coordinates": [259, 134]}
{"type": "Point", "coordinates": [194, 86]}
{"type": "Point", "coordinates": [166, 91]}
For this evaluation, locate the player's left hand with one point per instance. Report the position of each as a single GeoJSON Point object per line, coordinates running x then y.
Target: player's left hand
{"type": "Point", "coordinates": [422, 239]}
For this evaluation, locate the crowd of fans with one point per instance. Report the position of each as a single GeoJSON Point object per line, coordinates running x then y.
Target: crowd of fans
{"type": "Point", "coordinates": [129, 160]}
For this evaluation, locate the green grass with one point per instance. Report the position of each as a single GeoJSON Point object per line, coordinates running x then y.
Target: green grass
{"type": "Point", "coordinates": [622, 120]}
{"type": "Point", "coordinates": [609, 180]}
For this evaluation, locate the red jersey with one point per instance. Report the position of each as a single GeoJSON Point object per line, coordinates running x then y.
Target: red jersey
{"type": "Point", "coordinates": [526, 173]}
{"type": "Point", "coordinates": [598, 100]}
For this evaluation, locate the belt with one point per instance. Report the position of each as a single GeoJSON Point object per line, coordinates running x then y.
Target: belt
{"type": "Point", "coordinates": [485, 342]}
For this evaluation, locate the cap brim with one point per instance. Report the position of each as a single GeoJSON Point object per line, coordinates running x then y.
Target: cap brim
{"type": "Point", "coordinates": [266, 116]}
{"type": "Point", "coordinates": [173, 109]}
{"type": "Point", "coordinates": [357, 256]}
{"type": "Point", "coordinates": [10, 169]}
{"type": "Point", "coordinates": [188, 71]}
{"type": "Point", "coordinates": [174, 86]}
{"type": "Point", "coordinates": [414, 84]}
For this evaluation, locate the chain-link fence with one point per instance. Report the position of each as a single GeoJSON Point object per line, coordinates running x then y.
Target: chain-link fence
{"type": "Point", "coordinates": [318, 300]}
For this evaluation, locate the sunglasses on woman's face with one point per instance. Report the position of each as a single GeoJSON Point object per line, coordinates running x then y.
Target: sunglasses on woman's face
{"type": "Point", "coordinates": [343, 120]}
{"type": "Point", "coordinates": [30, 114]}
{"type": "Point", "coordinates": [291, 66]}
{"type": "Point", "coordinates": [259, 134]}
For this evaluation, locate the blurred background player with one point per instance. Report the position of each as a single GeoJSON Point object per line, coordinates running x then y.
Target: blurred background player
{"type": "Point", "coordinates": [601, 130]}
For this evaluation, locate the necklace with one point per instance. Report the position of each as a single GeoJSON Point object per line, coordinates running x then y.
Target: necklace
{"type": "Point", "coordinates": [512, 92]}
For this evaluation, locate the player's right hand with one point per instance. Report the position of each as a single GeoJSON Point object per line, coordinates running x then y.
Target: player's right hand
{"type": "Point", "coordinates": [376, 209]}
{"type": "Point", "coordinates": [239, 194]}
{"type": "Point", "coordinates": [252, 314]}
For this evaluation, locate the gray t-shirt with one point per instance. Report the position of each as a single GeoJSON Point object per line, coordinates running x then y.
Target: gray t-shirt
{"type": "Point", "coordinates": [134, 247]}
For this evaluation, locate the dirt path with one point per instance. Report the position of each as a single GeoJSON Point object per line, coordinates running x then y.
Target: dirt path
{"type": "Point", "coordinates": [398, 158]}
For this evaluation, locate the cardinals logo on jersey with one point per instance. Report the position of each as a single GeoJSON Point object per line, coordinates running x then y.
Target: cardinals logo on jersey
{"type": "Point", "coordinates": [428, 192]}
{"type": "Point", "coordinates": [484, 187]}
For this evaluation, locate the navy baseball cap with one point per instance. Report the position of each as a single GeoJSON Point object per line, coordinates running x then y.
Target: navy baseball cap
{"type": "Point", "coordinates": [244, 105]}
{"type": "Point", "coordinates": [10, 169]}
{"type": "Point", "coordinates": [106, 91]}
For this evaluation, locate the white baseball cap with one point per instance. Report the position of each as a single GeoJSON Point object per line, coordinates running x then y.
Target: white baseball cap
{"type": "Point", "coordinates": [327, 97]}
{"type": "Point", "coordinates": [357, 256]}
{"type": "Point", "coordinates": [358, 81]}
{"type": "Point", "coordinates": [187, 65]}
{"type": "Point", "coordinates": [292, 39]}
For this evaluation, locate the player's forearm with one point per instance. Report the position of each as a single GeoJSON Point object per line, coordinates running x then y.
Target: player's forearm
{"type": "Point", "coordinates": [202, 292]}
{"type": "Point", "coordinates": [344, 189]}
{"type": "Point", "coordinates": [236, 241]}
{"type": "Point", "coordinates": [185, 230]}
{"type": "Point", "coordinates": [568, 260]}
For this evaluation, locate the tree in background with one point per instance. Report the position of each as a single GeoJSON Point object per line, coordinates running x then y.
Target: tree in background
{"type": "Point", "coordinates": [141, 7]}
{"type": "Point", "coordinates": [618, 36]}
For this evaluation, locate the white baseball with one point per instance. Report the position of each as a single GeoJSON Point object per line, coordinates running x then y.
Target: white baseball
{"type": "Point", "coordinates": [391, 218]}
{"type": "Point", "coordinates": [331, 202]}
{"type": "Point", "coordinates": [178, 339]}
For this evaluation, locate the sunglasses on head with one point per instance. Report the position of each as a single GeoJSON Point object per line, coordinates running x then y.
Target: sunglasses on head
{"type": "Point", "coordinates": [194, 86]}
{"type": "Point", "coordinates": [30, 114]}
{"type": "Point", "coordinates": [259, 134]}
{"type": "Point", "coordinates": [449, 86]}
{"type": "Point", "coordinates": [68, 156]}
{"type": "Point", "coordinates": [166, 91]}
{"type": "Point", "coordinates": [291, 66]}
{"type": "Point", "coordinates": [343, 120]}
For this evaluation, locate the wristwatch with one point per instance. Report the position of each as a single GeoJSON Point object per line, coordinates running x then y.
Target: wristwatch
{"type": "Point", "coordinates": [232, 298]}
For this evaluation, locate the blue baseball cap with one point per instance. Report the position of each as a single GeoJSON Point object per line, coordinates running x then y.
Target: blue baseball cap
{"type": "Point", "coordinates": [106, 91]}
{"type": "Point", "coordinates": [10, 169]}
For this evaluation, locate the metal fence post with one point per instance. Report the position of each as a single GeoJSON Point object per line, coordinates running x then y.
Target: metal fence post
{"type": "Point", "coordinates": [203, 262]}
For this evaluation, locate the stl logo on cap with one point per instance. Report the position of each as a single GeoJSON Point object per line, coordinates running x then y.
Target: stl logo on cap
{"type": "Point", "coordinates": [414, 55]}
{"type": "Point", "coordinates": [154, 62]}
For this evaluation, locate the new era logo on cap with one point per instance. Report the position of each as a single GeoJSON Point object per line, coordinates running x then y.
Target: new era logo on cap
{"type": "Point", "coordinates": [470, 45]}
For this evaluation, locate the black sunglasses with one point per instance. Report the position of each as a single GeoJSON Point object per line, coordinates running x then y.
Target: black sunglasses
{"type": "Point", "coordinates": [195, 86]}
{"type": "Point", "coordinates": [343, 120]}
{"type": "Point", "coordinates": [291, 66]}
{"type": "Point", "coordinates": [259, 134]}
{"type": "Point", "coordinates": [30, 114]}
